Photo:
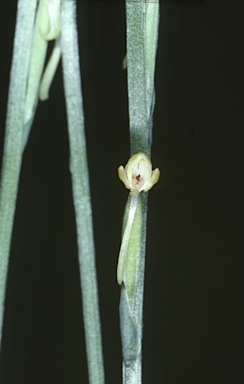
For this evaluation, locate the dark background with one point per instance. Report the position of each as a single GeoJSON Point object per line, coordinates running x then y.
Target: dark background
{"type": "Point", "coordinates": [194, 268]}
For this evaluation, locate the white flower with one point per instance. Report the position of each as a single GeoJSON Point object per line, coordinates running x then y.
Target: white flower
{"type": "Point", "coordinates": [138, 174]}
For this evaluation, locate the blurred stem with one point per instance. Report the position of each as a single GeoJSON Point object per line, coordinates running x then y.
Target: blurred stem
{"type": "Point", "coordinates": [142, 31]}
{"type": "Point", "coordinates": [81, 193]}
{"type": "Point", "coordinates": [47, 27]}
{"type": "Point", "coordinates": [13, 144]}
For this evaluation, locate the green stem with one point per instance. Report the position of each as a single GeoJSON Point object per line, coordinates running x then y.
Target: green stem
{"type": "Point", "coordinates": [136, 73]}
{"type": "Point", "coordinates": [81, 193]}
{"type": "Point", "coordinates": [142, 28]}
{"type": "Point", "coordinates": [13, 145]}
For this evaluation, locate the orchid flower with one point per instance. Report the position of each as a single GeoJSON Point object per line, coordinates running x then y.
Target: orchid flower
{"type": "Point", "coordinates": [137, 176]}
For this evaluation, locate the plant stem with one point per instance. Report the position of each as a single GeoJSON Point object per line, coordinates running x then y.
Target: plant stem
{"type": "Point", "coordinates": [13, 144]}
{"type": "Point", "coordinates": [142, 28]}
{"type": "Point", "coordinates": [81, 193]}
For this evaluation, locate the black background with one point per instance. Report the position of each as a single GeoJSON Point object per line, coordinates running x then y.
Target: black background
{"type": "Point", "coordinates": [194, 269]}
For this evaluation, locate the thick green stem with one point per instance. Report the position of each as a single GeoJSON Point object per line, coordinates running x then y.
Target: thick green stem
{"type": "Point", "coordinates": [13, 145]}
{"type": "Point", "coordinates": [81, 193]}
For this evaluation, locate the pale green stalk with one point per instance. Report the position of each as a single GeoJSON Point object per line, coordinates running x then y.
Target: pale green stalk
{"type": "Point", "coordinates": [142, 31]}
{"type": "Point", "coordinates": [33, 30]}
{"type": "Point", "coordinates": [81, 193]}
{"type": "Point", "coordinates": [13, 144]}
{"type": "Point", "coordinates": [30, 46]}
{"type": "Point", "coordinates": [50, 71]}
{"type": "Point", "coordinates": [47, 27]}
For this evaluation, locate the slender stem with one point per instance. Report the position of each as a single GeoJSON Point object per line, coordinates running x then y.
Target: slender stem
{"type": "Point", "coordinates": [142, 28]}
{"type": "Point", "coordinates": [37, 60]}
{"type": "Point", "coordinates": [13, 145]}
{"type": "Point", "coordinates": [47, 27]}
{"type": "Point", "coordinates": [132, 372]}
{"type": "Point", "coordinates": [136, 73]}
{"type": "Point", "coordinates": [50, 71]}
{"type": "Point", "coordinates": [81, 193]}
